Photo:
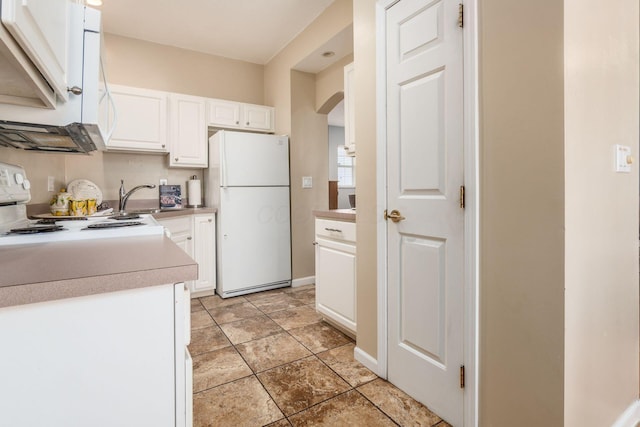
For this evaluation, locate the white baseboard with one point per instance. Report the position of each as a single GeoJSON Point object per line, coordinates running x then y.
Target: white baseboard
{"type": "Point", "coordinates": [310, 280]}
{"type": "Point", "coordinates": [630, 417]}
{"type": "Point", "coordinates": [366, 359]}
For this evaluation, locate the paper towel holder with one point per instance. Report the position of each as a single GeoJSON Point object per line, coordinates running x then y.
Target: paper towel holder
{"type": "Point", "coordinates": [194, 192]}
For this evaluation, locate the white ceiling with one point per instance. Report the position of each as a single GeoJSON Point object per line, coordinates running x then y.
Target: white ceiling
{"type": "Point", "coordinates": [248, 30]}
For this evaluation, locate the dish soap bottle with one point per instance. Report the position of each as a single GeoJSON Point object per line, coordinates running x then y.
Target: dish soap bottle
{"type": "Point", "coordinates": [59, 204]}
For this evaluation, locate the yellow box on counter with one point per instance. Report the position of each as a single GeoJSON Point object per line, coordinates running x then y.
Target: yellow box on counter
{"type": "Point", "coordinates": [82, 207]}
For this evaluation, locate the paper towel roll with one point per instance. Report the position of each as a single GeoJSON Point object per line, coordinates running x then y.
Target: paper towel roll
{"type": "Point", "coordinates": [194, 193]}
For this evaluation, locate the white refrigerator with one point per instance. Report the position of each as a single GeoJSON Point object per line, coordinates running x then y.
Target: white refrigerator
{"type": "Point", "coordinates": [248, 181]}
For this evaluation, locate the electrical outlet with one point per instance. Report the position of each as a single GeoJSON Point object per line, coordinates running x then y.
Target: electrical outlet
{"type": "Point", "coordinates": [163, 181]}
{"type": "Point", "coordinates": [50, 183]}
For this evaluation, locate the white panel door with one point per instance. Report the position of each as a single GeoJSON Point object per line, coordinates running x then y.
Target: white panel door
{"type": "Point", "coordinates": [40, 27]}
{"type": "Point", "coordinates": [251, 159]}
{"type": "Point", "coordinates": [425, 172]}
{"type": "Point", "coordinates": [254, 237]}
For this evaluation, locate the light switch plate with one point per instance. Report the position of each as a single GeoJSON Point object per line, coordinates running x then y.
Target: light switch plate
{"type": "Point", "coordinates": [623, 158]}
{"type": "Point", "coordinates": [50, 183]}
{"type": "Point", "coordinates": [163, 181]}
{"type": "Point", "coordinates": [307, 182]}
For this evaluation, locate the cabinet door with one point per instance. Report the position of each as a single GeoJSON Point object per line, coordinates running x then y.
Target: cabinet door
{"type": "Point", "coordinates": [204, 230]}
{"type": "Point", "coordinates": [258, 117]}
{"type": "Point", "coordinates": [224, 114]}
{"type": "Point", "coordinates": [140, 120]}
{"type": "Point", "coordinates": [188, 131]}
{"type": "Point", "coordinates": [335, 282]}
{"type": "Point", "coordinates": [40, 28]}
{"type": "Point", "coordinates": [181, 232]}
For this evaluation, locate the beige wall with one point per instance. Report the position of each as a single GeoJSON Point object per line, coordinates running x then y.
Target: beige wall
{"type": "Point", "coordinates": [364, 53]}
{"type": "Point", "coordinates": [330, 85]}
{"type": "Point", "coordinates": [138, 63]}
{"type": "Point", "coordinates": [278, 93]}
{"type": "Point", "coordinates": [309, 139]}
{"type": "Point", "coordinates": [521, 213]}
{"type": "Point", "coordinates": [601, 216]}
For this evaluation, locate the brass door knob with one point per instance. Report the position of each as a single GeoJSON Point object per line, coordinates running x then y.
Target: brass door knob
{"type": "Point", "coordinates": [394, 215]}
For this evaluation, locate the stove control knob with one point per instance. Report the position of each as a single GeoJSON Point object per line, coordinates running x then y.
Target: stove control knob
{"type": "Point", "coordinates": [26, 184]}
{"type": "Point", "coordinates": [19, 178]}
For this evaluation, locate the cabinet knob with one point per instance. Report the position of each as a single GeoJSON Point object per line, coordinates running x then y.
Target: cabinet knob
{"type": "Point", "coordinates": [176, 159]}
{"type": "Point", "coordinates": [210, 220]}
{"type": "Point", "coordinates": [75, 90]}
{"type": "Point", "coordinates": [163, 146]}
{"type": "Point", "coordinates": [314, 243]}
{"type": "Point", "coordinates": [189, 238]}
{"type": "Point", "coordinates": [237, 122]}
{"type": "Point", "coordinates": [247, 123]}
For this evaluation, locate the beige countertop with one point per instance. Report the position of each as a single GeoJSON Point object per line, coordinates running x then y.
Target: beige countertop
{"type": "Point", "coordinates": [52, 271]}
{"type": "Point", "coordinates": [339, 214]}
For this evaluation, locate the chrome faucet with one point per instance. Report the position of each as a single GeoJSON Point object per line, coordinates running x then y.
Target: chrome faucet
{"type": "Point", "coordinates": [124, 196]}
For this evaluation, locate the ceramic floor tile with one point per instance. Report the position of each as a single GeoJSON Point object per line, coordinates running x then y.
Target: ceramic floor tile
{"type": "Point", "coordinates": [319, 337]}
{"type": "Point", "coordinates": [215, 301]}
{"type": "Point", "coordinates": [201, 319]}
{"type": "Point", "coordinates": [250, 329]}
{"type": "Point", "coordinates": [282, 423]}
{"type": "Point", "coordinates": [196, 305]}
{"type": "Point", "coordinates": [348, 409]}
{"type": "Point", "coordinates": [243, 402]}
{"type": "Point", "coordinates": [276, 302]}
{"type": "Point", "coordinates": [271, 351]}
{"type": "Point", "coordinates": [306, 297]}
{"type": "Point", "coordinates": [398, 405]}
{"type": "Point", "coordinates": [296, 317]}
{"type": "Point", "coordinates": [341, 360]}
{"type": "Point", "coordinates": [207, 339]}
{"type": "Point", "coordinates": [231, 313]}
{"type": "Point", "coordinates": [301, 384]}
{"type": "Point", "coordinates": [300, 288]}
{"type": "Point", "coordinates": [264, 294]}
{"type": "Point", "coordinates": [218, 367]}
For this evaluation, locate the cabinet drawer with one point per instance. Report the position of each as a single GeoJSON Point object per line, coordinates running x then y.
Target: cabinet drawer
{"type": "Point", "coordinates": [341, 230]}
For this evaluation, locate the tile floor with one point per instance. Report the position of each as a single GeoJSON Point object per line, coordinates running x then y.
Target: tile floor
{"type": "Point", "coordinates": [268, 359]}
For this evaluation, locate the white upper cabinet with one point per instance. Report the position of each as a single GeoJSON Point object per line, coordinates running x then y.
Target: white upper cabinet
{"type": "Point", "coordinates": [187, 131]}
{"type": "Point", "coordinates": [223, 113]}
{"type": "Point", "coordinates": [236, 115]}
{"type": "Point", "coordinates": [140, 119]}
{"type": "Point", "coordinates": [258, 117]}
{"type": "Point", "coordinates": [349, 113]}
{"type": "Point", "coordinates": [34, 33]}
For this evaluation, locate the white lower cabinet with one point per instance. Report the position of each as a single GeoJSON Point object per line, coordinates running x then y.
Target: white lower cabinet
{"type": "Point", "coordinates": [204, 231]}
{"type": "Point", "coordinates": [111, 359]}
{"type": "Point", "coordinates": [195, 234]}
{"type": "Point", "coordinates": [336, 272]}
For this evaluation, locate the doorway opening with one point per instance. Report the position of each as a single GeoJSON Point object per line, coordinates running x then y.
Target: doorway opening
{"type": "Point", "coordinates": [342, 164]}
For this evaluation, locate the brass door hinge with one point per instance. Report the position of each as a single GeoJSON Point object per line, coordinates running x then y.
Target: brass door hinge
{"type": "Point", "coordinates": [460, 15]}
{"type": "Point", "coordinates": [462, 197]}
{"type": "Point", "coordinates": [462, 376]}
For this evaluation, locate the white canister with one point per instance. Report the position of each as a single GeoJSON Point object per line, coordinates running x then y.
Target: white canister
{"type": "Point", "coordinates": [194, 192]}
